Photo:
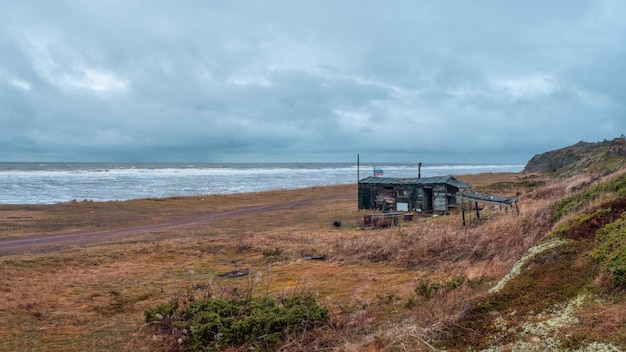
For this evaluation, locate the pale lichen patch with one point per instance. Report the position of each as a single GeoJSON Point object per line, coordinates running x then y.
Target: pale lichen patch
{"type": "Point", "coordinates": [517, 268]}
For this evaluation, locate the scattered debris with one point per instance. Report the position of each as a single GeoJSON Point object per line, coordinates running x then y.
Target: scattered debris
{"type": "Point", "coordinates": [337, 223]}
{"type": "Point", "coordinates": [381, 220]}
{"type": "Point", "coordinates": [316, 257]}
{"type": "Point", "coordinates": [234, 273]}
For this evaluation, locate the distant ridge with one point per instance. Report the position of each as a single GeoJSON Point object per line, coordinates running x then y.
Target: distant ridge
{"type": "Point", "coordinates": [605, 156]}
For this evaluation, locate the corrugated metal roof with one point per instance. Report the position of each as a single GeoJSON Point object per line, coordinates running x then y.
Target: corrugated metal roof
{"type": "Point", "coordinates": [450, 180]}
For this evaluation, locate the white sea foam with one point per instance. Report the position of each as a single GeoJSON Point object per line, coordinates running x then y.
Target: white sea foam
{"type": "Point", "coordinates": [28, 183]}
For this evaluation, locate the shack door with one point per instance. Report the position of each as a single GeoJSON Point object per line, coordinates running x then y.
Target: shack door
{"type": "Point", "coordinates": [428, 199]}
{"type": "Point", "coordinates": [440, 200]}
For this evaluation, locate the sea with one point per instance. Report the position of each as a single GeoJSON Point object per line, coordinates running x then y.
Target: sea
{"type": "Point", "coordinates": [49, 183]}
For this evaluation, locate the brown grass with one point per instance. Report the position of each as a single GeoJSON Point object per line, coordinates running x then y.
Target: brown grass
{"type": "Point", "coordinates": [600, 321]}
{"type": "Point", "coordinates": [92, 297]}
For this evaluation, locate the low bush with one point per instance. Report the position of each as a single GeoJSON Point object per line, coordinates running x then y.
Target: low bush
{"type": "Point", "coordinates": [427, 290]}
{"type": "Point", "coordinates": [214, 324]}
{"type": "Point", "coordinates": [578, 201]}
{"type": "Point", "coordinates": [582, 224]}
{"type": "Point", "coordinates": [272, 252]}
{"type": "Point", "coordinates": [611, 252]}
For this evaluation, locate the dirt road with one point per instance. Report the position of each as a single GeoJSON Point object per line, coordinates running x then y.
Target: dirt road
{"type": "Point", "coordinates": [56, 241]}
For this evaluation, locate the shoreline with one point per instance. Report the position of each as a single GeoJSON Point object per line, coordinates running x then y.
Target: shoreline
{"type": "Point", "coordinates": [50, 186]}
{"type": "Point", "coordinates": [474, 179]}
{"type": "Point", "coordinates": [131, 217]}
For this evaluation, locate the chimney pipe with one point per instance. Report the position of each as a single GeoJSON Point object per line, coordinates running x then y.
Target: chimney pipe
{"type": "Point", "coordinates": [419, 170]}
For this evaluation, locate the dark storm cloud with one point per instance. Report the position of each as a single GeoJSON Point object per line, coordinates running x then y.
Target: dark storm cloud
{"type": "Point", "coordinates": [308, 81]}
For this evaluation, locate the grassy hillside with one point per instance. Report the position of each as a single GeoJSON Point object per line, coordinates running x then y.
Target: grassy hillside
{"type": "Point", "coordinates": [566, 292]}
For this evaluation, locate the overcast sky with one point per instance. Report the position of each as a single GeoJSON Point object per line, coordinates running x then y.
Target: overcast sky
{"type": "Point", "coordinates": [308, 81]}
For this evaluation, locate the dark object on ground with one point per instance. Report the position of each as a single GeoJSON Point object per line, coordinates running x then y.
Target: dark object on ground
{"type": "Point", "coordinates": [337, 223]}
{"type": "Point", "coordinates": [234, 273]}
{"type": "Point", "coordinates": [316, 257]}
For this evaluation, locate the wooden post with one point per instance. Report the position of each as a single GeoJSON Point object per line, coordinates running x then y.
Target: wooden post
{"type": "Point", "coordinates": [477, 211]}
{"type": "Point", "coordinates": [463, 211]}
{"type": "Point", "coordinates": [358, 169]}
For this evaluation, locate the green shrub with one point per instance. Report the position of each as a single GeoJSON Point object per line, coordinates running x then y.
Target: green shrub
{"type": "Point", "coordinates": [577, 223]}
{"type": "Point", "coordinates": [479, 281]}
{"type": "Point", "coordinates": [578, 201]}
{"type": "Point", "coordinates": [611, 252]}
{"type": "Point", "coordinates": [213, 324]}
{"type": "Point", "coordinates": [161, 316]}
{"type": "Point", "coordinates": [455, 283]}
{"type": "Point", "coordinates": [272, 252]}
{"type": "Point", "coordinates": [427, 289]}
{"type": "Point", "coordinates": [531, 183]}
{"type": "Point", "coordinates": [410, 302]}
{"type": "Point", "coordinates": [508, 185]}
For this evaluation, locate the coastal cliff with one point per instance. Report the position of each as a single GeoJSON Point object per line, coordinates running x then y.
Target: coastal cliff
{"type": "Point", "coordinates": [604, 156]}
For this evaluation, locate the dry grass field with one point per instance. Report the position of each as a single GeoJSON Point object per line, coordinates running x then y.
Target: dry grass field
{"type": "Point", "coordinates": [386, 289]}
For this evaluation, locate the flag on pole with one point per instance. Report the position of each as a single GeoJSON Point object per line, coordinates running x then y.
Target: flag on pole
{"type": "Point", "coordinates": [378, 172]}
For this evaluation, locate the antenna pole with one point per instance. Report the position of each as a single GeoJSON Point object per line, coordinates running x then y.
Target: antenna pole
{"type": "Point", "coordinates": [358, 170]}
{"type": "Point", "coordinates": [358, 181]}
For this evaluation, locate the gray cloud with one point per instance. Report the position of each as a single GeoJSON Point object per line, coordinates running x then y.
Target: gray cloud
{"type": "Point", "coordinates": [308, 81]}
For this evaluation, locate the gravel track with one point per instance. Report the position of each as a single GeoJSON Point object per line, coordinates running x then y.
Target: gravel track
{"type": "Point", "coordinates": [50, 242]}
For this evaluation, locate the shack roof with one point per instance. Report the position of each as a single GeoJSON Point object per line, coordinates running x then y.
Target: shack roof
{"type": "Point", "coordinates": [424, 181]}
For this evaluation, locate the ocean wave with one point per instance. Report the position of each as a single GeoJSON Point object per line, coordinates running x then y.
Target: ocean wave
{"type": "Point", "coordinates": [29, 183]}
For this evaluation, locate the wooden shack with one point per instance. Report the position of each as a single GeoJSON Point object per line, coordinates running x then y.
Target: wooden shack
{"type": "Point", "coordinates": [428, 194]}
